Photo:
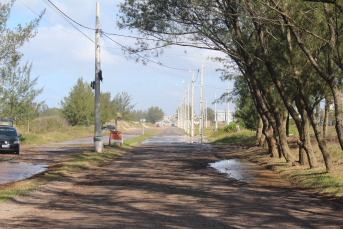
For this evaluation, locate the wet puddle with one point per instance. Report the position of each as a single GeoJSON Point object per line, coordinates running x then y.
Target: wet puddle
{"type": "Point", "coordinates": [245, 171]}
{"type": "Point", "coordinates": [11, 172]}
{"type": "Point", "coordinates": [171, 139]}
{"type": "Point", "coordinates": [89, 140]}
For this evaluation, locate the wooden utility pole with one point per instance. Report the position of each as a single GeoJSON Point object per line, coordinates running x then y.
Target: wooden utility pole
{"type": "Point", "coordinates": [98, 143]}
{"type": "Point", "coordinates": [192, 132]}
{"type": "Point", "coordinates": [201, 123]}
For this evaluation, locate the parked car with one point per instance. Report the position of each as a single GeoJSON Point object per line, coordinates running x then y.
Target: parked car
{"type": "Point", "coordinates": [158, 125]}
{"type": "Point", "coordinates": [108, 128]}
{"type": "Point", "coordinates": [9, 139]}
{"type": "Point", "coordinates": [173, 125]}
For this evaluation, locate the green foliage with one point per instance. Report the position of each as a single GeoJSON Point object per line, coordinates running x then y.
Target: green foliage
{"type": "Point", "coordinates": [13, 39]}
{"type": "Point", "coordinates": [154, 114]}
{"type": "Point", "coordinates": [45, 111]}
{"type": "Point", "coordinates": [122, 106]}
{"type": "Point", "coordinates": [229, 128]}
{"type": "Point", "coordinates": [210, 114]}
{"type": "Point", "coordinates": [78, 106]}
{"type": "Point", "coordinates": [246, 113]}
{"type": "Point", "coordinates": [107, 110]}
{"type": "Point", "coordinates": [18, 92]}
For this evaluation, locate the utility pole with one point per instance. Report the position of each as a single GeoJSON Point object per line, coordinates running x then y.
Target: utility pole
{"type": "Point", "coordinates": [228, 110]}
{"type": "Point", "coordinates": [201, 101]}
{"type": "Point", "coordinates": [215, 111]}
{"type": "Point", "coordinates": [206, 115]}
{"type": "Point", "coordinates": [192, 132]}
{"type": "Point", "coordinates": [188, 127]}
{"type": "Point", "coordinates": [98, 143]}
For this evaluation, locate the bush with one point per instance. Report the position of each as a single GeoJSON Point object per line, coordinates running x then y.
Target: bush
{"type": "Point", "coordinates": [230, 128]}
{"type": "Point", "coordinates": [48, 124]}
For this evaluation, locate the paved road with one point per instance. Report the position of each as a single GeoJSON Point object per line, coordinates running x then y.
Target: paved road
{"type": "Point", "coordinates": [167, 186]}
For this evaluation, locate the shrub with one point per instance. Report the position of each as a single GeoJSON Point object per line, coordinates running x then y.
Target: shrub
{"type": "Point", "coordinates": [230, 128]}
{"type": "Point", "coordinates": [48, 124]}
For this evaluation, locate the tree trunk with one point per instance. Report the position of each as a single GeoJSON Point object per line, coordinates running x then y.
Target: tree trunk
{"type": "Point", "coordinates": [305, 140]}
{"type": "Point", "coordinates": [287, 126]}
{"type": "Point", "coordinates": [326, 118]}
{"type": "Point", "coordinates": [271, 142]}
{"type": "Point", "coordinates": [259, 131]}
{"type": "Point", "coordinates": [319, 136]}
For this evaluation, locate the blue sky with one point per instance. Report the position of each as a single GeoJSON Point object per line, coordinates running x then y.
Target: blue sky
{"type": "Point", "coordinates": [60, 55]}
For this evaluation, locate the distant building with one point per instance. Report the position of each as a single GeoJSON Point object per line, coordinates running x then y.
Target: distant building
{"type": "Point", "coordinates": [221, 116]}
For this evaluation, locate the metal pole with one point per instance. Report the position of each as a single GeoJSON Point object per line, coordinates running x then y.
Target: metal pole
{"type": "Point", "coordinates": [192, 133]}
{"type": "Point", "coordinates": [201, 101]}
{"type": "Point", "coordinates": [188, 109]}
{"type": "Point", "coordinates": [215, 110]}
{"type": "Point", "coordinates": [228, 110]}
{"type": "Point", "coordinates": [98, 143]}
{"type": "Point", "coordinates": [206, 115]}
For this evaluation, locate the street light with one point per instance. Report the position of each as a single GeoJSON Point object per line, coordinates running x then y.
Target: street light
{"type": "Point", "coordinates": [192, 109]}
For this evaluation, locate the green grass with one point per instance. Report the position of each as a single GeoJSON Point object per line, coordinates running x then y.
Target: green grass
{"type": "Point", "coordinates": [236, 138]}
{"type": "Point", "coordinates": [69, 133]}
{"type": "Point", "coordinates": [11, 193]}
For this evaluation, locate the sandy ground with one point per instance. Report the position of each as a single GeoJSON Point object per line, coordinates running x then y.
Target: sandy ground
{"type": "Point", "coordinates": [167, 186]}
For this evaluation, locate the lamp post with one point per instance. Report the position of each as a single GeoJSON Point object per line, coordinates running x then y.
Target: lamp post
{"type": "Point", "coordinates": [192, 109]}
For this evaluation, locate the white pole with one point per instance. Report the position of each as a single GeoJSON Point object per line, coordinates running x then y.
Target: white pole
{"type": "Point", "coordinates": [215, 110]}
{"type": "Point", "coordinates": [192, 134]}
{"type": "Point", "coordinates": [228, 110]}
{"type": "Point", "coordinates": [98, 143]}
{"type": "Point", "coordinates": [188, 110]}
{"type": "Point", "coordinates": [206, 115]}
{"type": "Point", "coordinates": [201, 101]}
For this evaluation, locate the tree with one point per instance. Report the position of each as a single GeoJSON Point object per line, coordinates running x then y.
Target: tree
{"type": "Point", "coordinates": [107, 109]}
{"type": "Point", "coordinates": [13, 39]}
{"type": "Point", "coordinates": [245, 111]}
{"type": "Point", "coordinates": [154, 114]}
{"type": "Point", "coordinates": [18, 92]}
{"type": "Point", "coordinates": [122, 106]}
{"type": "Point", "coordinates": [279, 47]}
{"type": "Point", "coordinates": [210, 114]}
{"type": "Point", "coordinates": [78, 106]}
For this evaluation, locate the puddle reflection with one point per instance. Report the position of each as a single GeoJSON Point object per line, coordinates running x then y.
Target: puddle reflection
{"type": "Point", "coordinates": [11, 172]}
{"type": "Point", "coordinates": [245, 171]}
{"type": "Point", "coordinates": [171, 139]}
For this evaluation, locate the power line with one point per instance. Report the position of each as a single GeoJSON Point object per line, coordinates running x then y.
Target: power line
{"type": "Point", "coordinates": [180, 69]}
{"type": "Point", "coordinates": [46, 20]}
{"type": "Point", "coordinates": [66, 19]}
{"type": "Point", "coordinates": [68, 16]}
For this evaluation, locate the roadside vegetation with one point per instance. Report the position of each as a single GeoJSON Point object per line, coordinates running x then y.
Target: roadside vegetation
{"type": "Point", "coordinates": [315, 180]}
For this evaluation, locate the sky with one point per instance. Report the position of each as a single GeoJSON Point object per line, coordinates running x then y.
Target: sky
{"type": "Point", "coordinates": [61, 54]}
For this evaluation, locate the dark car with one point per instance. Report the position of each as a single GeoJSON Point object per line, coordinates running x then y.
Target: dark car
{"type": "Point", "coordinates": [108, 128]}
{"type": "Point", "coordinates": [173, 125]}
{"type": "Point", "coordinates": [9, 139]}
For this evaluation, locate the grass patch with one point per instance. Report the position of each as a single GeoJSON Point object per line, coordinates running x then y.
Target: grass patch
{"type": "Point", "coordinates": [246, 137]}
{"type": "Point", "coordinates": [69, 133]}
{"type": "Point", "coordinates": [14, 192]}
